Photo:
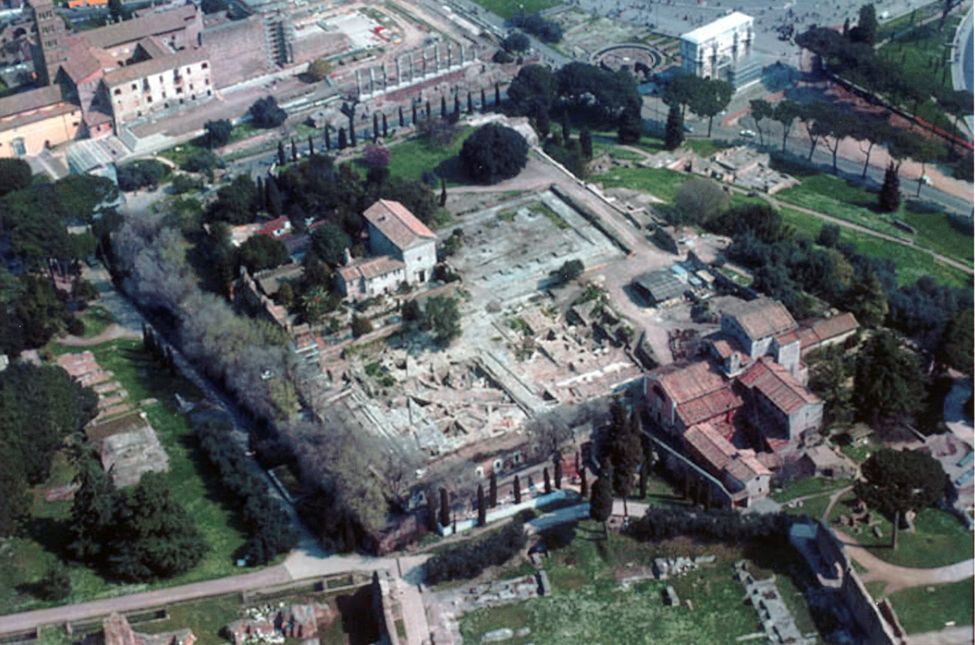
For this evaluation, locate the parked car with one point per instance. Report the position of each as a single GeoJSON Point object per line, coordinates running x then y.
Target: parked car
{"type": "Point", "coordinates": [748, 134]}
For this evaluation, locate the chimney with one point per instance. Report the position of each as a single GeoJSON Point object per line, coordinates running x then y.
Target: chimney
{"type": "Point", "coordinates": [348, 257]}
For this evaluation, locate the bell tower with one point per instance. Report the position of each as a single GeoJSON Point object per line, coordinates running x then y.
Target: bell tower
{"type": "Point", "coordinates": [49, 42]}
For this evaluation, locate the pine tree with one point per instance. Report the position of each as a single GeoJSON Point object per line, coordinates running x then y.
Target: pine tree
{"type": "Point", "coordinates": [547, 480]}
{"type": "Point", "coordinates": [444, 508]}
{"type": "Point", "coordinates": [889, 198]}
{"type": "Point", "coordinates": [674, 134]}
{"type": "Point", "coordinates": [281, 158]}
{"type": "Point", "coordinates": [516, 488]}
{"type": "Point", "coordinates": [481, 506]}
{"type": "Point", "coordinates": [493, 490]}
{"type": "Point", "coordinates": [585, 142]}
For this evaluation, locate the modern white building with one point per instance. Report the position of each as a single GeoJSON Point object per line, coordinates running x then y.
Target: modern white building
{"type": "Point", "coordinates": [721, 50]}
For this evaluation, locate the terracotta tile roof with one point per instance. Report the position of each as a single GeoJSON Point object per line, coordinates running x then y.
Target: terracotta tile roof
{"type": "Point", "coordinates": [275, 224]}
{"type": "Point", "coordinates": [788, 338]}
{"type": "Point", "coordinates": [710, 405]}
{"type": "Point", "coordinates": [151, 24]}
{"type": "Point", "coordinates": [397, 223]}
{"type": "Point", "coordinates": [685, 382]}
{"type": "Point", "coordinates": [723, 348]}
{"type": "Point", "coordinates": [81, 63]}
{"type": "Point", "coordinates": [762, 318]}
{"type": "Point", "coordinates": [777, 385]}
{"type": "Point", "coordinates": [152, 66]}
{"type": "Point", "coordinates": [720, 455]}
{"type": "Point", "coordinates": [31, 100]}
{"type": "Point", "coordinates": [822, 330]}
{"type": "Point", "coordinates": [371, 268]}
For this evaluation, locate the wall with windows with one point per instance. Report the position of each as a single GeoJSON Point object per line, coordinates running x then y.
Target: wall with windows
{"type": "Point", "coordinates": [169, 90]}
{"type": "Point", "coordinates": [22, 135]}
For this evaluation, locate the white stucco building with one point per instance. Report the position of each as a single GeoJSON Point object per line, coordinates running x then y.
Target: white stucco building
{"type": "Point", "coordinates": [402, 250]}
{"type": "Point", "coordinates": [721, 50]}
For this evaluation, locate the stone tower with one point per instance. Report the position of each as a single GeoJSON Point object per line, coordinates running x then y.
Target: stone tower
{"type": "Point", "coordinates": [49, 49]}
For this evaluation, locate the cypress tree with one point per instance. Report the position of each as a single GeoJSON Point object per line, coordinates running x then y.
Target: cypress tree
{"type": "Point", "coordinates": [294, 151]}
{"type": "Point", "coordinates": [328, 137]}
{"type": "Point", "coordinates": [497, 96]}
{"type": "Point", "coordinates": [281, 158]}
{"type": "Point", "coordinates": [375, 126]}
{"type": "Point", "coordinates": [481, 506]}
{"type": "Point", "coordinates": [483, 100]}
{"type": "Point", "coordinates": [558, 470]}
{"type": "Point", "coordinates": [516, 487]}
{"type": "Point", "coordinates": [470, 103]}
{"type": "Point", "coordinates": [443, 106]}
{"type": "Point", "coordinates": [311, 146]}
{"type": "Point", "coordinates": [428, 110]}
{"type": "Point", "coordinates": [566, 129]}
{"type": "Point", "coordinates": [352, 137]}
{"type": "Point", "coordinates": [431, 511]}
{"type": "Point", "coordinates": [444, 508]}
{"type": "Point", "coordinates": [643, 480]}
{"type": "Point", "coordinates": [889, 198]}
{"type": "Point", "coordinates": [402, 121]}
{"type": "Point", "coordinates": [261, 194]}
{"type": "Point", "coordinates": [583, 484]}
{"type": "Point", "coordinates": [585, 142]}
{"type": "Point", "coordinates": [343, 143]}
{"type": "Point", "coordinates": [457, 104]}
{"type": "Point", "coordinates": [443, 191]}
{"type": "Point", "coordinates": [547, 480]}
{"type": "Point", "coordinates": [275, 202]}
{"type": "Point", "coordinates": [493, 490]}
{"type": "Point", "coordinates": [674, 135]}
{"type": "Point", "coordinates": [413, 122]}
{"type": "Point", "coordinates": [385, 127]}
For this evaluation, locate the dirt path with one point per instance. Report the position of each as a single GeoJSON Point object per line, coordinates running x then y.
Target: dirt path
{"type": "Point", "coordinates": [835, 497]}
{"type": "Point", "coordinates": [112, 332]}
{"type": "Point", "coordinates": [898, 578]}
{"type": "Point", "coordinates": [949, 636]}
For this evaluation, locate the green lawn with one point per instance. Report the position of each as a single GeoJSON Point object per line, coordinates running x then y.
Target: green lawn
{"type": "Point", "coordinates": [412, 157]}
{"type": "Point", "coordinates": [191, 479]}
{"type": "Point", "coordinates": [96, 319]}
{"type": "Point", "coordinates": [589, 605]}
{"type": "Point", "coordinates": [508, 8]}
{"type": "Point", "coordinates": [659, 182]}
{"type": "Point", "coordinates": [921, 610]}
{"type": "Point", "coordinates": [938, 539]}
{"type": "Point", "coordinates": [852, 203]}
{"type": "Point", "coordinates": [912, 263]}
{"type": "Point", "coordinates": [808, 486]}
{"type": "Point", "coordinates": [921, 51]}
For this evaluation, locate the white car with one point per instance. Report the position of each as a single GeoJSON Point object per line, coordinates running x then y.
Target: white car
{"type": "Point", "coordinates": [748, 134]}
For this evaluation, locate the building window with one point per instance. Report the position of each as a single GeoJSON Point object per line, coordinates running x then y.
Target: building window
{"type": "Point", "coordinates": [118, 91]}
{"type": "Point", "coordinates": [205, 65]}
{"type": "Point", "coordinates": [19, 149]}
{"type": "Point", "coordinates": [134, 87]}
{"type": "Point", "coordinates": [179, 90]}
{"type": "Point", "coordinates": [209, 92]}
{"type": "Point", "coordinates": [149, 99]}
{"type": "Point", "coordinates": [207, 81]}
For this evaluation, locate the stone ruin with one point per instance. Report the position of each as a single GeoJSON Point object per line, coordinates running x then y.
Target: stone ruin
{"type": "Point", "coordinates": [274, 624]}
{"type": "Point", "coordinates": [777, 621]}
{"type": "Point", "coordinates": [664, 568]}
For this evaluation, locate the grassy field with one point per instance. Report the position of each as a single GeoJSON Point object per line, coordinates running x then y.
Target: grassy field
{"type": "Point", "coordinates": [410, 158]}
{"type": "Point", "coordinates": [508, 8]}
{"type": "Point", "coordinates": [588, 603]}
{"type": "Point", "coordinates": [96, 320]}
{"type": "Point", "coordinates": [191, 479]}
{"type": "Point", "coordinates": [836, 197]}
{"type": "Point", "coordinates": [808, 486]}
{"type": "Point", "coordinates": [928, 609]}
{"type": "Point", "coordinates": [938, 539]}
{"type": "Point", "coordinates": [912, 263]}
{"type": "Point", "coordinates": [659, 182]}
{"type": "Point", "coordinates": [921, 51]}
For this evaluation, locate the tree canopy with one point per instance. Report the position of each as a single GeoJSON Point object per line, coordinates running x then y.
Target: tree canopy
{"type": "Point", "coordinates": [265, 113]}
{"type": "Point", "coordinates": [217, 132]}
{"type": "Point", "coordinates": [15, 174]}
{"type": "Point", "coordinates": [897, 481]}
{"type": "Point", "coordinates": [493, 153]}
{"type": "Point", "coordinates": [888, 385]}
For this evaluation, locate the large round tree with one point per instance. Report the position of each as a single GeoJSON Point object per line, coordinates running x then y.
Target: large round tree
{"type": "Point", "coordinates": [494, 153]}
{"type": "Point", "coordinates": [897, 481]}
{"type": "Point", "coordinates": [888, 385]}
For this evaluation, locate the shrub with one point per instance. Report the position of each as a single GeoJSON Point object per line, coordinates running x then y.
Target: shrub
{"type": "Point", "coordinates": [536, 25]}
{"type": "Point", "coordinates": [265, 113]}
{"type": "Point", "coordinates": [15, 174]}
{"type": "Point", "coordinates": [141, 174]}
{"type": "Point", "coordinates": [202, 161]}
{"type": "Point", "coordinates": [570, 270]}
{"type": "Point", "coordinates": [467, 560]}
{"type": "Point", "coordinates": [217, 132]}
{"type": "Point", "coordinates": [360, 326]}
